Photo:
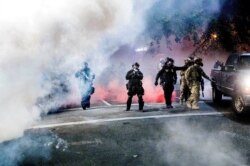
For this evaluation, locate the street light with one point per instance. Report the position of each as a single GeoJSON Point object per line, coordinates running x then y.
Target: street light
{"type": "Point", "coordinates": [214, 36]}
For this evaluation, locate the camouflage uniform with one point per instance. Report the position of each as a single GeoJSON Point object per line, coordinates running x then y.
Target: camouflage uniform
{"type": "Point", "coordinates": [193, 77]}
{"type": "Point", "coordinates": [134, 87]}
{"type": "Point", "coordinates": [184, 90]}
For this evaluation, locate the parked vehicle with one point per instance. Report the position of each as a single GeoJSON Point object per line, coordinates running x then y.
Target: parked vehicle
{"type": "Point", "coordinates": [233, 79]}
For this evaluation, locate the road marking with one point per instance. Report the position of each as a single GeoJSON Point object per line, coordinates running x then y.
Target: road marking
{"type": "Point", "coordinates": [96, 141]}
{"type": "Point", "coordinates": [105, 102]}
{"type": "Point", "coordinates": [117, 105]}
{"type": "Point", "coordinates": [129, 118]}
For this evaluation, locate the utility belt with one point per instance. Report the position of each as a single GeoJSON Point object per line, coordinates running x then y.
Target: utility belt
{"type": "Point", "coordinates": [130, 85]}
{"type": "Point", "coordinates": [167, 83]}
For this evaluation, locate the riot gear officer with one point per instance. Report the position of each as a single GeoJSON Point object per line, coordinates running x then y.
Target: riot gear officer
{"type": "Point", "coordinates": [168, 78]}
{"type": "Point", "coordinates": [134, 86]}
{"type": "Point", "coordinates": [193, 76]}
{"type": "Point", "coordinates": [184, 90]}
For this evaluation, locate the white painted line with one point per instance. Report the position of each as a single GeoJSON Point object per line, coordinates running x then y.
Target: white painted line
{"type": "Point", "coordinates": [105, 102]}
{"type": "Point", "coordinates": [117, 105]}
{"type": "Point", "coordinates": [128, 118]}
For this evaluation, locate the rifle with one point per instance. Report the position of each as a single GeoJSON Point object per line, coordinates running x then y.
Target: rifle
{"type": "Point", "coordinates": [202, 87]}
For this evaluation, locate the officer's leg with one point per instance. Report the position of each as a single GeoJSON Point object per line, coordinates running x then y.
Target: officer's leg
{"type": "Point", "coordinates": [141, 102]}
{"type": "Point", "coordinates": [130, 96]}
{"type": "Point", "coordinates": [165, 95]}
{"type": "Point", "coordinates": [186, 93]}
{"type": "Point", "coordinates": [168, 90]}
{"type": "Point", "coordinates": [140, 93]}
{"type": "Point", "coordinates": [196, 94]}
{"type": "Point", "coordinates": [190, 98]}
{"type": "Point", "coordinates": [84, 102]}
{"type": "Point", "coordinates": [182, 93]}
{"type": "Point", "coordinates": [88, 101]}
{"type": "Point", "coordinates": [129, 102]}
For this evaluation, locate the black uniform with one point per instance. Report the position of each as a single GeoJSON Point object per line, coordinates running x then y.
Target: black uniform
{"type": "Point", "coordinates": [168, 78]}
{"type": "Point", "coordinates": [134, 87]}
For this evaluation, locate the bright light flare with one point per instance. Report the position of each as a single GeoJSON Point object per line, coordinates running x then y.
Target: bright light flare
{"type": "Point", "coordinates": [141, 49]}
{"type": "Point", "coordinates": [246, 84]}
{"type": "Point", "coordinates": [214, 36]}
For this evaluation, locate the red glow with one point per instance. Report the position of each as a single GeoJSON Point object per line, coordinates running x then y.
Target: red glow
{"type": "Point", "coordinates": [116, 91]}
{"type": "Point", "coordinates": [160, 98]}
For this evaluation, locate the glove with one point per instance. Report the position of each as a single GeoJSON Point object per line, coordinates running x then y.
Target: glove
{"type": "Point", "coordinates": [156, 83]}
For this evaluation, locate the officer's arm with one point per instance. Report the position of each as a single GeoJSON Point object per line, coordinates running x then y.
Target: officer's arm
{"type": "Point", "coordinates": [203, 74]}
{"type": "Point", "coordinates": [78, 74]}
{"type": "Point", "coordinates": [187, 74]}
{"type": "Point", "coordinates": [158, 75]}
{"type": "Point", "coordinates": [91, 75]}
{"type": "Point", "coordinates": [128, 75]}
{"type": "Point", "coordinates": [175, 77]}
{"type": "Point", "coordinates": [140, 75]}
{"type": "Point", "coordinates": [176, 68]}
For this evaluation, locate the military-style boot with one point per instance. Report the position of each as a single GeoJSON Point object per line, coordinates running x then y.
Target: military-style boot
{"type": "Point", "coordinates": [170, 106]}
{"type": "Point", "coordinates": [189, 105]}
{"type": "Point", "coordinates": [128, 107]}
{"type": "Point", "coordinates": [141, 104]}
{"type": "Point", "coordinates": [195, 105]}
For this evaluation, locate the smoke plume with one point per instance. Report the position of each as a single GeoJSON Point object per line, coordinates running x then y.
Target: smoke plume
{"type": "Point", "coordinates": [186, 143]}
{"type": "Point", "coordinates": [43, 44]}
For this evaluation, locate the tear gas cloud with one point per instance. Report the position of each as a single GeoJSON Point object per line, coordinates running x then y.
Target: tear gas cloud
{"type": "Point", "coordinates": [43, 43]}
{"type": "Point", "coordinates": [185, 142]}
{"type": "Point", "coordinates": [33, 148]}
{"type": "Point", "coordinates": [183, 18]}
{"type": "Point", "coordinates": [42, 40]}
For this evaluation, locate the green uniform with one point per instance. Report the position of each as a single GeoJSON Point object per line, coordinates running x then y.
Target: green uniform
{"type": "Point", "coordinates": [184, 91]}
{"type": "Point", "coordinates": [193, 77]}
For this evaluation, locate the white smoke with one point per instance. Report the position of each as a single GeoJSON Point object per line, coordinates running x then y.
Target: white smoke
{"type": "Point", "coordinates": [40, 37]}
{"type": "Point", "coordinates": [189, 143]}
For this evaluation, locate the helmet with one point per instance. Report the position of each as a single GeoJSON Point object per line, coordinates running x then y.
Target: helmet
{"type": "Point", "coordinates": [198, 61]}
{"type": "Point", "coordinates": [169, 62]}
{"type": "Point", "coordinates": [191, 59]}
{"type": "Point", "coordinates": [136, 64]}
{"type": "Point", "coordinates": [85, 64]}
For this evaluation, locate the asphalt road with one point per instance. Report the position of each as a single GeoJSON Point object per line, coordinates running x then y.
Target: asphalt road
{"type": "Point", "coordinates": [108, 135]}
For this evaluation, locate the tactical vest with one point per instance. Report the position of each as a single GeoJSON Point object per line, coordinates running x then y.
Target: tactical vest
{"type": "Point", "coordinates": [167, 76]}
{"type": "Point", "coordinates": [195, 73]}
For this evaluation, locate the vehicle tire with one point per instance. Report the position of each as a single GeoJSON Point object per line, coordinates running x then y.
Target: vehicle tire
{"type": "Point", "coordinates": [238, 105]}
{"type": "Point", "coordinates": [216, 95]}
